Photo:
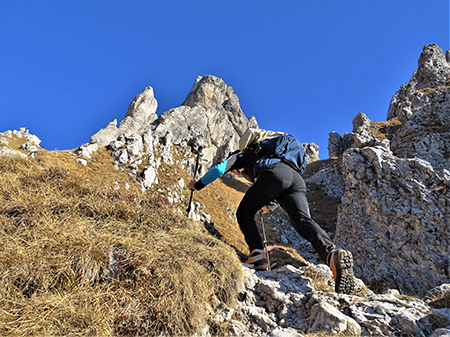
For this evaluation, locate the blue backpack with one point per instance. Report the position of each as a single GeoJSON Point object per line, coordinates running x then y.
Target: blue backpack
{"type": "Point", "coordinates": [287, 148]}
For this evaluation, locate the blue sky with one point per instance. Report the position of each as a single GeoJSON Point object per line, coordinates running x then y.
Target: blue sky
{"type": "Point", "coordinates": [68, 68]}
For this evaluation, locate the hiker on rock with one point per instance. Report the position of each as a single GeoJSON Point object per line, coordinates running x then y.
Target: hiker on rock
{"type": "Point", "coordinates": [274, 166]}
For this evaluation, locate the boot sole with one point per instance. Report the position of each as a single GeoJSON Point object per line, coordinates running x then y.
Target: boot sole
{"type": "Point", "coordinates": [345, 282]}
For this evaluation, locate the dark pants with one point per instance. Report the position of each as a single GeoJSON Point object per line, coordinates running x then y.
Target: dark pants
{"type": "Point", "coordinates": [283, 184]}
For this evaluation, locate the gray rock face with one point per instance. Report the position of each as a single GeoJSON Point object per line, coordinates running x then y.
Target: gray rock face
{"type": "Point", "coordinates": [395, 202]}
{"type": "Point", "coordinates": [423, 107]}
{"type": "Point", "coordinates": [312, 151]}
{"type": "Point", "coordinates": [197, 126]}
{"type": "Point", "coordinates": [211, 92]}
{"type": "Point", "coordinates": [210, 117]}
{"type": "Point", "coordinates": [434, 68]}
{"type": "Point", "coordinates": [141, 113]}
{"type": "Point", "coordinates": [336, 145]}
{"type": "Point", "coordinates": [393, 218]}
{"type": "Point", "coordinates": [425, 130]}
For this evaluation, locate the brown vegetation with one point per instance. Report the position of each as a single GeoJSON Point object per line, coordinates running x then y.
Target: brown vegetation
{"type": "Point", "coordinates": [82, 256]}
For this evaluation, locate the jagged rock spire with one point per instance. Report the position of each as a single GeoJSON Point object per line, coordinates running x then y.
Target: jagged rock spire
{"type": "Point", "coordinates": [434, 69]}
{"type": "Point", "coordinates": [141, 112]}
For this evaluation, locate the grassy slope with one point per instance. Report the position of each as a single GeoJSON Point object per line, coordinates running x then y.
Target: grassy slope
{"type": "Point", "coordinates": [82, 257]}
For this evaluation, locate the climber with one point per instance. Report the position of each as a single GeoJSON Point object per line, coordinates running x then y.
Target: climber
{"type": "Point", "coordinates": [279, 180]}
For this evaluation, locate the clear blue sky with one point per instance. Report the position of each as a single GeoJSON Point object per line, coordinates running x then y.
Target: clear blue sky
{"type": "Point", "coordinates": [68, 68]}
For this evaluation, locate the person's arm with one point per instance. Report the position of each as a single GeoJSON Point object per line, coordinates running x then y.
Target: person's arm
{"type": "Point", "coordinates": [235, 161]}
{"type": "Point", "coordinates": [213, 173]}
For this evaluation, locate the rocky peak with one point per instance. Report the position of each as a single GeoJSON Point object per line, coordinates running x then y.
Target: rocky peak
{"type": "Point", "coordinates": [210, 117]}
{"type": "Point", "coordinates": [213, 93]}
{"type": "Point", "coordinates": [433, 72]}
{"type": "Point", "coordinates": [141, 113]}
{"type": "Point", "coordinates": [418, 119]}
{"type": "Point", "coordinates": [434, 68]}
{"type": "Point", "coordinates": [423, 107]}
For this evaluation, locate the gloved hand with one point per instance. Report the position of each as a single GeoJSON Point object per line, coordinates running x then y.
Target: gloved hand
{"type": "Point", "coordinates": [192, 185]}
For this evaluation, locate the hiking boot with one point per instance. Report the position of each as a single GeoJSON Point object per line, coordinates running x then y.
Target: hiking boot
{"type": "Point", "coordinates": [341, 263]}
{"type": "Point", "coordinates": [257, 260]}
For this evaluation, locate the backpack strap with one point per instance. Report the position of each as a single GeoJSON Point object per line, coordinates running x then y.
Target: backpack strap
{"type": "Point", "coordinates": [291, 164]}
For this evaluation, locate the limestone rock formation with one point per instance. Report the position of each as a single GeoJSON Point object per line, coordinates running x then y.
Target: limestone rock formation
{"type": "Point", "coordinates": [211, 92]}
{"type": "Point", "coordinates": [394, 207]}
{"type": "Point", "coordinates": [312, 151]}
{"type": "Point", "coordinates": [141, 113]}
{"type": "Point", "coordinates": [393, 216]}
{"type": "Point", "coordinates": [423, 107]}
{"type": "Point", "coordinates": [209, 117]}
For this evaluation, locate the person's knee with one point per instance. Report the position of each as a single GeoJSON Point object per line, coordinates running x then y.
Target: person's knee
{"type": "Point", "coordinates": [244, 212]}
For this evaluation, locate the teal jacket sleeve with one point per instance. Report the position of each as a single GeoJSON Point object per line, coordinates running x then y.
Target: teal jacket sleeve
{"type": "Point", "coordinates": [237, 160]}
{"type": "Point", "coordinates": [213, 173]}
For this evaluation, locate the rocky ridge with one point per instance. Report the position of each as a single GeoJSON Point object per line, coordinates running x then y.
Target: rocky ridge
{"type": "Point", "coordinates": [395, 199]}
{"type": "Point", "coordinates": [389, 185]}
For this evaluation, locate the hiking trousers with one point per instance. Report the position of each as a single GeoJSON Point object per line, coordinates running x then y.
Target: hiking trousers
{"type": "Point", "coordinates": [285, 185]}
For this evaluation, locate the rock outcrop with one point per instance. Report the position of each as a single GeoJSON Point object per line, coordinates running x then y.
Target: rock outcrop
{"type": "Point", "coordinates": [394, 207]}
{"type": "Point", "coordinates": [29, 144]}
{"type": "Point", "coordinates": [141, 113]}
{"type": "Point", "coordinates": [210, 118]}
{"type": "Point", "coordinates": [423, 107]}
{"type": "Point", "coordinates": [290, 301]}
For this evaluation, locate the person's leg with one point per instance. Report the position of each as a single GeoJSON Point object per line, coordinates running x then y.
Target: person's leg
{"type": "Point", "coordinates": [340, 261]}
{"type": "Point", "coordinates": [261, 193]}
{"type": "Point", "coordinates": [295, 203]}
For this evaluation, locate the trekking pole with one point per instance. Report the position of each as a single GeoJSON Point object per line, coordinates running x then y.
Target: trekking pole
{"type": "Point", "coordinates": [265, 239]}
{"type": "Point", "coordinates": [195, 177]}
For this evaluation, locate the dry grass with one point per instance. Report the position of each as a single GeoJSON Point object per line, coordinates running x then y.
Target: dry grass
{"type": "Point", "coordinates": [318, 280]}
{"type": "Point", "coordinates": [385, 130]}
{"type": "Point", "coordinates": [83, 257]}
{"type": "Point", "coordinates": [441, 301]}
